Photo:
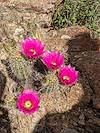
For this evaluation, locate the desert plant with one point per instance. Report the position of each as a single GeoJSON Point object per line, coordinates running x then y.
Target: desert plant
{"type": "Point", "coordinates": [79, 12]}
{"type": "Point", "coordinates": [16, 64]}
{"type": "Point", "coordinates": [50, 83]}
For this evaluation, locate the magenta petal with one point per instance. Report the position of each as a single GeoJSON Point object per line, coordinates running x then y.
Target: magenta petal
{"type": "Point", "coordinates": [53, 60]}
{"type": "Point", "coordinates": [32, 98]}
{"type": "Point", "coordinates": [32, 48]}
{"type": "Point", "coordinates": [67, 75]}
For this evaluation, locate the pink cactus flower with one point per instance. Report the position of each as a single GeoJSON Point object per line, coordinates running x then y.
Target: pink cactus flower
{"type": "Point", "coordinates": [68, 75]}
{"type": "Point", "coordinates": [53, 60]}
{"type": "Point", "coordinates": [32, 48]}
{"type": "Point", "coordinates": [28, 102]}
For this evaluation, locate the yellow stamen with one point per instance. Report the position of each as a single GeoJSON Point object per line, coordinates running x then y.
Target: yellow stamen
{"type": "Point", "coordinates": [28, 104]}
{"type": "Point", "coordinates": [33, 51]}
{"type": "Point", "coordinates": [66, 78]}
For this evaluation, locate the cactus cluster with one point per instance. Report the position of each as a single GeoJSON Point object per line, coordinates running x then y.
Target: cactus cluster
{"type": "Point", "coordinates": [50, 83]}
{"type": "Point", "coordinates": [20, 67]}
{"type": "Point", "coordinates": [36, 68]}
{"type": "Point", "coordinates": [17, 65]}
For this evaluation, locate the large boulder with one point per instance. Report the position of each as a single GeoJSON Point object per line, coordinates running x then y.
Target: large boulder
{"type": "Point", "coordinates": [89, 64]}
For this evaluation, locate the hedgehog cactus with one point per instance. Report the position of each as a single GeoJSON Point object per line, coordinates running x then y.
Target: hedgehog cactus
{"type": "Point", "coordinates": [19, 66]}
{"type": "Point", "coordinates": [50, 83]}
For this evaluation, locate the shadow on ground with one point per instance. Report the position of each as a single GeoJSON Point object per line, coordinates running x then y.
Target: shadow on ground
{"type": "Point", "coordinates": [4, 119]}
{"type": "Point", "coordinates": [83, 117]}
{"type": "Point", "coordinates": [2, 84]}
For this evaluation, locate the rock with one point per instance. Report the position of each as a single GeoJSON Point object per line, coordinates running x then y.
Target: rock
{"type": "Point", "coordinates": [21, 20]}
{"type": "Point", "coordinates": [3, 130]}
{"type": "Point", "coordinates": [45, 4]}
{"type": "Point", "coordinates": [24, 10]}
{"type": "Point", "coordinates": [96, 121]}
{"type": "Point", "coordinates": [3, 0]}
{"type": "Point", "coordinates": [68, 130]}
{"type": "Point", "coordinates": [83, 53]}
{"type": "Point", "coordinates": [81, 119]}
{"type": "Point", "coordinates": [71, 39]}
{"type": "Point", "coordinates": [89, 64]}
{"type": "Point", "coordinates": [80, 39]}
{"type": "Point", "coordinates": [96, 102]}
{"type": "Point", "coordinates": [65, 37]}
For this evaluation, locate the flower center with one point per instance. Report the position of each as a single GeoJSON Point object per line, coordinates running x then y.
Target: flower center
{"type": "Point", "coordinates": [66, 78]}
{"type": "Point", "coordinates": [33, 51]}
{"type": "Point", "coordinates": [28, 104]}
{"type": "Point", "coordinates": [53, 63]}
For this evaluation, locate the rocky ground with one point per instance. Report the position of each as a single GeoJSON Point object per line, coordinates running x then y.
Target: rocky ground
{"type": "Point", "coordinates": [73, 109]}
